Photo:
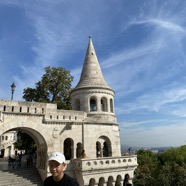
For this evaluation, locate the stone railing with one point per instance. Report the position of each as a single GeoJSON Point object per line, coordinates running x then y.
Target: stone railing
{"type": "Point", "coordinates": [105, 163]}
{"type": "Point", "coordinates": [49, 111]}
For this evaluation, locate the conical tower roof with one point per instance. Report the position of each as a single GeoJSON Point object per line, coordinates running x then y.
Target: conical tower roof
{"type": "Point", "coordinates": [91, 75]}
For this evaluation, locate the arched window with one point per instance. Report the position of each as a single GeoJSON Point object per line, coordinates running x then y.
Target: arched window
{"type": "Point", "coordinates": [93, 106]}
{"type": "Point", "coordinates": [126, 180]}
{"type": "Point", "coordinates": [92, 182]}
{"type": "Point", "coordinates": [101, 181]}
{"type": "Point", "coordinates": [68, 149]}
{"type": "Point", "coordinates": [103, 147]}
{"type": "Point", "coordinates": [118, 180]}
{"type": "Point", "coordinates": [105, 150]}
{"type": "Point", "coordinates": [110, 181]}
{"type": "Point", "coordinates": [111, 106]}
{"type": "Point", "coordinates": [104, 104]}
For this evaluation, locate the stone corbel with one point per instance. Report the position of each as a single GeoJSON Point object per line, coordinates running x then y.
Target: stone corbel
{"type": "Point", "coordinates": [68, 126]}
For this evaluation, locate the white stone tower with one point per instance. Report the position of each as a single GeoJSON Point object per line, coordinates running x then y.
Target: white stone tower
{"type": "Point", "coordinates": [101, 140]}
{"type": "Point", "coordinates": [92, 94]}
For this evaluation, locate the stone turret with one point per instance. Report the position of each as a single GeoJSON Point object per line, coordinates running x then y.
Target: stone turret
{"type": "Point", "coordinates": [92, 94]}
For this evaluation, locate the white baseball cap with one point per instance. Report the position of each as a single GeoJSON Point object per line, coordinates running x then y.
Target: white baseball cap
{"type": "Point", "coordinates": [57, 156]}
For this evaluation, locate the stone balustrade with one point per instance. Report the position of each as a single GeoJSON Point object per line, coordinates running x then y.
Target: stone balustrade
{"type": "Point", "coordinates": [105, 163]}
{"type": "Point", "coordinates": [49, 111]}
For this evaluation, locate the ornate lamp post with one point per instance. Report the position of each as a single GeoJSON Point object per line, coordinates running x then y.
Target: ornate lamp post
{"type": "Point", "coordinates": [12, 89]}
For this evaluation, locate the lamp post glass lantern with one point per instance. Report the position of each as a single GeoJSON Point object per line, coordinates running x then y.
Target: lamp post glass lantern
{"type": "Point", "coordinates": [12, 89]}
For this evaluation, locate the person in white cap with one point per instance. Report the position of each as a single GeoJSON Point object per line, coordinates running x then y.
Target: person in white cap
{"type": "Point", "coordinates": [57, 165]}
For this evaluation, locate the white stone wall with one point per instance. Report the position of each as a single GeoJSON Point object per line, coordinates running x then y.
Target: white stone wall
{"type": "Point", "coordinates": [50, 127]}
{"type": "Point", "coordinates": [6, 143]}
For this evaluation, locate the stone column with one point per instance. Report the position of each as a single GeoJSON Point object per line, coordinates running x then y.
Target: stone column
{"type": "Point", "coordinates": [72, 152]}
{"type": "Point", "coordinates": [101, 151]}
{"type": "Point", "coordinates": [108, 105]}
{"type": "Point", "coordinates": [98, 104]}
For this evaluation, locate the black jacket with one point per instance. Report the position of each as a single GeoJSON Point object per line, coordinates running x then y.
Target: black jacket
{"type": "Point", "coordinates": [65, 181]}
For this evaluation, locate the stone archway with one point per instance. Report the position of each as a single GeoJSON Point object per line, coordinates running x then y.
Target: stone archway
{"type": "Point", "coordinates": [103, 147]}
{"type": "Point", "coordinates": [68, 148]}
{"type": "Point", "coordinates": [101, 181]}
{"type": "Point", "coordinates": [110, 181]}
{"type": "Point", "coordinates": [41, 146]}
{"type": "Point", "coordinates": [118, 180]}
{"type": "Point", "coordinates": [92, 182]}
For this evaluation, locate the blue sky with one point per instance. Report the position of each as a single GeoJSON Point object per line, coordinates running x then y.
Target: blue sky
{"type": "Point", "coordinates": [140, 45]}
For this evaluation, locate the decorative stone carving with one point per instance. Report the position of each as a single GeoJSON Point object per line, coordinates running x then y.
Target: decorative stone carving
{"type": "Point", "coordinates": [55, 133]}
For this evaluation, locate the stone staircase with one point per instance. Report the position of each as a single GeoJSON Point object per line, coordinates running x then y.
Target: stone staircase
{"type": "Point", "coordinates": [20, 177]}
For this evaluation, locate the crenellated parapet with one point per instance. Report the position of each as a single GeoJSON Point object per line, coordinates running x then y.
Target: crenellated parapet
{"type": "Point", "coordinates": [48, 111]}
{"type": "Point", "coordinates": [26, 107]}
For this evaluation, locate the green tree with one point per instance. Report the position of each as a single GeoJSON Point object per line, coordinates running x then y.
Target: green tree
{"type": "Point", "coordinates": [147, 170]}
{"type": "Point", "coordinates": [173, 170]}
{"type": "Point", "coordinates": [174, 155]}
{"type": "Point", "coordinates": [162, 169]}
{"type": "Point", "coordinates": [54, 87]}
{"type": "Point", "coordinates": [171, 175]}
{"type": "Point", "coordinates": [25, 142]}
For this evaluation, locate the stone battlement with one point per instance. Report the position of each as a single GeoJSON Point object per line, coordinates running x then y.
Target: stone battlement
{"type": "Point", "coordinates": [48, 110]}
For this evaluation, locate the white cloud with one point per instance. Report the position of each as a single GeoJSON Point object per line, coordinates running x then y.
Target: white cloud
{"type": "Point", "coordinates": [171, 26]}
{"type": "Point", "coordinates": [126, 55]}
{"type": "Point", "coordinates": [143, 46]}
{"type": "Point", "coordinates": [156, 100]}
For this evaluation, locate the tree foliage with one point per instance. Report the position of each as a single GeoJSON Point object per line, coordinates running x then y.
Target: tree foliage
{"type": "Point", "coordinates": [162, 169]}
{"type": "Point", "coordinates": [147, 169]}
{"type": "Point", "coordinates": [25, 142]}
{"type": "Point", "coordinates": [54, 87]}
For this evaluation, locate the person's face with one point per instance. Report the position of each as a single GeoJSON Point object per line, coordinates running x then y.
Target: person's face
{"type": "Point", "coordinates": [56, 169]}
